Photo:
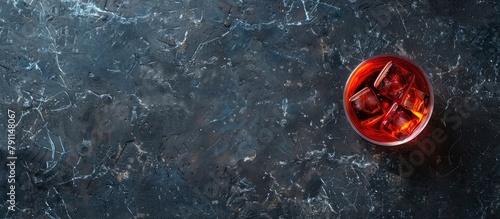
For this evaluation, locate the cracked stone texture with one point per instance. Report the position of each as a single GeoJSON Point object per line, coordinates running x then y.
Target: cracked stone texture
{"type": "Point", "coordinates": [233, 109]}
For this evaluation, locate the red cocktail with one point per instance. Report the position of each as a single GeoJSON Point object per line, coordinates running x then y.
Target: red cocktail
{"type": "Point", "coordinates": [388, 100]}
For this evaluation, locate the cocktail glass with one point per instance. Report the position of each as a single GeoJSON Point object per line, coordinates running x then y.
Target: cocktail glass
{"type": "Point", "coordinates": [388, 100]}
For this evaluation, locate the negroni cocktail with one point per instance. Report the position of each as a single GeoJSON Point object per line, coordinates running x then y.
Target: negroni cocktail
{"type": "Point", "coordinates": [388, 100]}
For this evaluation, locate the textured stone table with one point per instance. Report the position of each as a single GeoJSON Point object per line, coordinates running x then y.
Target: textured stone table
{"type": "Point", "coordinates": [233, 109]}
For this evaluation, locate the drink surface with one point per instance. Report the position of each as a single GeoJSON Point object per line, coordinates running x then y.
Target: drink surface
{"type": "Point", "coordinates": [388, 100]}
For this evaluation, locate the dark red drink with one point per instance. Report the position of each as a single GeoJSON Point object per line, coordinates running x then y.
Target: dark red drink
{"type": "Point", "coordinates": [388, 100]}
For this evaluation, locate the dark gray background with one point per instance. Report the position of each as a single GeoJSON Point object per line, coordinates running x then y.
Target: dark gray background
{"type": "Point", "coordinates": [227, 108]}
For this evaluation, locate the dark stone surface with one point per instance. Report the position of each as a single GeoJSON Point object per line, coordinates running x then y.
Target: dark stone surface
{"type": "Point", "coordinates": [233, 109]}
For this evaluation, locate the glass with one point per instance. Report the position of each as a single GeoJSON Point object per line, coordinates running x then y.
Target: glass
{"type": "Point", "coordinates": [388, 100]}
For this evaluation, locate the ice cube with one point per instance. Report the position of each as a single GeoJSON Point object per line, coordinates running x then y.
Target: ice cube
{"type": "Point", "coordinates": [416, 101]}
{"type": "Point", "coordinates": [399, 122]}
{"type": "Point", "coordinates": [394, 81]}
{"type": "Point", "coordinates": [367, 106]}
